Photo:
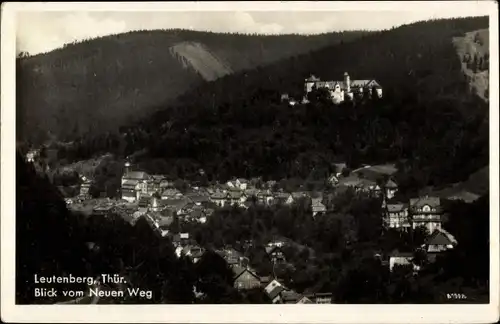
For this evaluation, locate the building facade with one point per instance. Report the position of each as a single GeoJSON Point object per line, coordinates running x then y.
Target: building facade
{"type": "Point", "coordinates": [341, 90]}
{"type": "Point", "coordinates": [426, 211]}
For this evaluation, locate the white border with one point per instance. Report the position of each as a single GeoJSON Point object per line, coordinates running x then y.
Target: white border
{"type": "Point", "coordinates": [233, 313]}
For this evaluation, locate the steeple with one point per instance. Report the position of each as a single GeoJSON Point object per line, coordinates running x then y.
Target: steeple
{"type": "Point", "coordinates": [347, 81]}
{"type": "Point", "coordinates": [127, 167]}
{"type": "Point", "coordinates": [154, 204]}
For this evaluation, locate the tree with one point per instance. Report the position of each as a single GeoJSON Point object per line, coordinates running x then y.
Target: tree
{"type": "Point", "coordinates": [215, 278]}
{"type": "Point", "coordinates": [48, 240]}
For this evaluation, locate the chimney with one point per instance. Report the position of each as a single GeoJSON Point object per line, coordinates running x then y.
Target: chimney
{"type": "Point", "coordinates": [347, 82]}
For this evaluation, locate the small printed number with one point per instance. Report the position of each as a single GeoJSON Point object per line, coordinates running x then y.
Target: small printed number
{"type": "Point", "coordinates": [456, 296]}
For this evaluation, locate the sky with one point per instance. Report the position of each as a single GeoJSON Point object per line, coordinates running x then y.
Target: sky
{"type": "Point", "coordinates": [42, 31]}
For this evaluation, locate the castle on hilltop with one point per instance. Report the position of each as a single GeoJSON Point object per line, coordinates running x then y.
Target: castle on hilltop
{"type": "Point", "coordinates": [341, 90]}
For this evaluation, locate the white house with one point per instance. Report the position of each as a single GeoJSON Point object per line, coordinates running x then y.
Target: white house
{"type": "Point", "coordinates": [340, 90]}
{"type": "Point", "coordinates": [426, 211]}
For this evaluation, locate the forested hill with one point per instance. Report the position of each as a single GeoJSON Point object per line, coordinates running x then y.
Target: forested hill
{"type": "Point", "coordinates": [418, 59]}
{"type": "Point", "coordinates": [235, 126]}
{"type": "Point", "coordinates": [428, 120]}
{"type": "Point", "coordinates": [100, 84]}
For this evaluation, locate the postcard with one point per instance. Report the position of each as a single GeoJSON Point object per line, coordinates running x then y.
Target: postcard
{"type": "Point", "coordinates": [220, 162]}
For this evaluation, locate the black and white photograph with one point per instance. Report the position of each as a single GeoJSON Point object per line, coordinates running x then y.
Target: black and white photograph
{"type": "Point", "coordinates": [200, 154]}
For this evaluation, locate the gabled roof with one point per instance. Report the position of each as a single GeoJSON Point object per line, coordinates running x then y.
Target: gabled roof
{"type": "Point", "coordinates": [167, 212]}
{"type": "Point", "coordinates": [363, 83]}
{"type": "Point", "coordinates": [396, 207]}
{"type": "Point", "coordinates": [235, 194]}
{"type": "Point", "coordinates": [196, 251]}
{"type": "Point", "coordinates": [387, 169]}
{"type": "Point", "coordinates": [304, 300]}
{"type": "Point", "coordinates": [290, 296]}
{"type": "Point", "coordinates": [270, 249]}
{"type": "Point", "coordinates": [218, 195]}
{"type": "Point", "coordinates": [165, 221]}
{"type": "Point", "coordinates": [282, 195]}
{"type": "Point", "coordinates": [198, 198]}
{"type": "Point", "coordinates": [441, 237]}
{"type": "Point", "coordinates": [136, 175]}
{"type": "Point", "coordinates": [265, 193]}
{"type": "Point", "coordinates": [274, 283]}
{"type": "Point", "coordinates": [170, 192]}
{"type": "Point", "coordinates": [318, 206]}
{"type": "Point", "coordinates": [391, 184]}
{"type": "Point", "coordinates": [252, 192]}
{"type": "Point", "coordinates": [354, 181]}
{"type": "Point", "coordinates": [130, 183]}
{"type": "Point", "coordinates": [238, 271]}
{"type": "Point", "coordinates": [247, 204]}
{"type": "Point", "coordinates": [197, 214]}
{"type": "Point", "coordinates": [298, 195]}
{"type": "Point", "coordinates": [312, 77]}
{"type": "Point", "coordinates": [176, 203]}
{"type": "Point", "coordinates": [422, 201]}
{"type": "Point", "coordinates": [275, 292]}
{"type": "Point", "coordinates": [128, 193]}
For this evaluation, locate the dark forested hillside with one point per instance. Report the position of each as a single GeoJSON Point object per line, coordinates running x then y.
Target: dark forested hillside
{"type": "Point", "coordinates": [100, 84]}
{"type": "Point", "coordinates": [418, 59]}
{"type": "Point", "coordinates": [46, 243]}
{"type": "Point", "coordinates": [51, 241]}
{"type": "Point", "coordinates": [428, 119]}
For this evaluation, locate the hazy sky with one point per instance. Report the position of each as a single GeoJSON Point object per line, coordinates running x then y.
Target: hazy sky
{"type": "Point", "coordinates": [42, 31]}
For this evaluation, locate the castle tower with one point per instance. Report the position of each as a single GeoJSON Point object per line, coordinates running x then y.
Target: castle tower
{"type": "Point", "coordinates": [347, 81]}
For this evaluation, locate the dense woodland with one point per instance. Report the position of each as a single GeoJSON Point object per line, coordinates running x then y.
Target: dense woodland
{"type": "Point", "coordinates": [100, 84]}
{"type": "Point", "coordinates": [428, 121]}
{"type": "Point", "coordinates": [334, 253]}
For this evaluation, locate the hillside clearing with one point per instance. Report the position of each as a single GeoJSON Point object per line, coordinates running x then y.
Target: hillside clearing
{"type": "Point", "coordinates": [474, 44]}
{"type": "Point", "coordinates": [198, 57]}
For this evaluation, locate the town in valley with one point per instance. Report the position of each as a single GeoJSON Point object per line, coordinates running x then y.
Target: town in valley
{"type": "Point", "coordinates": [177, 166]}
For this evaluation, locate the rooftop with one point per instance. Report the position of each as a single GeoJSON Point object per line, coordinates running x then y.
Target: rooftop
{"type": "Point", "coordinates": [426, 200]}
{"type": "Point", "coordinates": [136, 175]}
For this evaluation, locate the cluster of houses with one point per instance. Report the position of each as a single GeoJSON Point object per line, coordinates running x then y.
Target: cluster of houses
{"type": "Point", "coordinates": [246, 278]}
{"type": "Point", "coordinates": [155, 198]}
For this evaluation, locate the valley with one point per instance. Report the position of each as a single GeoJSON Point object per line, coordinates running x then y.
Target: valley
{"type": "Point", "coordinates": [184, 157]}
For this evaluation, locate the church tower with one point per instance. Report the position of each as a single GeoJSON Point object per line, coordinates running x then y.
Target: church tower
{"type": "Point", "coordinates": [154, 204]}
{"type": "Point", "coordinates": [347, 81]}
{"type": "Point", "coordinates": [127, 168]}
{"type": "Point", "coordinates": [125, 171]}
